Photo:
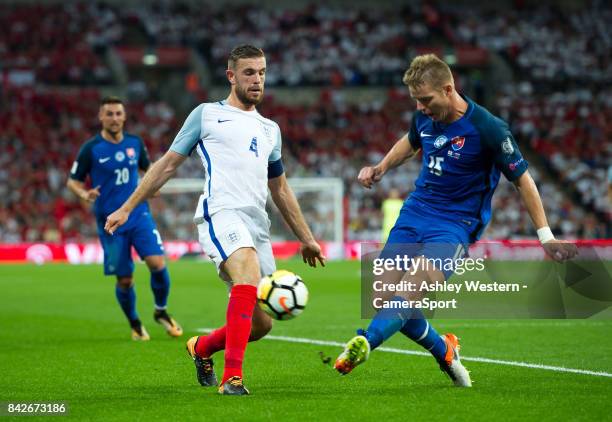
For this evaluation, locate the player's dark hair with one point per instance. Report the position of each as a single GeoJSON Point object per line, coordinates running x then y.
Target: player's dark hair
{"type": "Point", "coordinates": [110, 99]}
{"type": "Point", "coordinates": [244, 51]}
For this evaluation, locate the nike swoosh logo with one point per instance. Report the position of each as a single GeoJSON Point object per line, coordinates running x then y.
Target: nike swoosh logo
{"type": "Point", "coordinates": [282, 302]}
{"type": "Point", "coordinates": [223, 121]}
{"type": "Point", "coordinates": [103, 160]}
{"type": "Point", "coordinates": [423, 134]}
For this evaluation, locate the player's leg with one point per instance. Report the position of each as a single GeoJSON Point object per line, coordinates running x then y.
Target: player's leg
{"type": "Point", "coordinates": [160, 280]}
{"type": "Point", "coordinates": [259, 228]}
{"type": "Point", "coordinates": [445, 348]}
{"type": "Point", "coordinates": [148, 244]}
{"type": "Point", "coordinates": [383, 325]}
{"type": "Point", "coordinates": [208, 345]}
{"type": "Point", "coordinates": [226, 240]}
{"type": "Point", "coordinates": [126, 296]}
{"type": "Point", "coordinates": [202, 348]}
{"type": "Point", "coordinates": [118, 262]}
{"type": "Point", "coordinates": [160, 285]}
{"type": "Point", "coordinates": [243, 268]}
{"type": "Point", "coordinates": [386, 322]}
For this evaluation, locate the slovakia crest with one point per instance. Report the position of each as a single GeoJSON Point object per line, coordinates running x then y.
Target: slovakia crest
{"type": "Point", "coordinates": [457, 142]}
{"type": "Point", "coordinates": [131, 153]}
{"type": "Point", "coordinates": [440, 141]}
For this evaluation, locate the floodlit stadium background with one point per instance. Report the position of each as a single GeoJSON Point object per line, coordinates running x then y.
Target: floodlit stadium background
{"type": "Point", "coordinates": [334, 87]}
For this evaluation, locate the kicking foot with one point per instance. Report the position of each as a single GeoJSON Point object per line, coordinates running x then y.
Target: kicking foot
{"type": "Point", "coordinates": [355, 353]}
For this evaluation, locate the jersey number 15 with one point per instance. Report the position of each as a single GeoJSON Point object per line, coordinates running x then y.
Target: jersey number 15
{"type": "Point", "coordinates": [435, 165]}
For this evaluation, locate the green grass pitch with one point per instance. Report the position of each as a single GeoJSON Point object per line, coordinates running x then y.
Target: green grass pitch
{"type": "Point", "coordinates": [63, 338]}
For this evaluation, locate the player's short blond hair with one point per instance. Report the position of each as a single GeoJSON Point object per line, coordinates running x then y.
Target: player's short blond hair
{"type": "Point", "coordinates": [430, 69]}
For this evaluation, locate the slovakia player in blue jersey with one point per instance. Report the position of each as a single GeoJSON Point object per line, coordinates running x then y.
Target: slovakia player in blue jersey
{"type": "Point", "coordinates": [465, 148]}
{"type": "Point", "coordinates": [112, 159]}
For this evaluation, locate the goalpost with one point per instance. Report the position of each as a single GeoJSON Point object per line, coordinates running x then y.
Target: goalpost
{"type": "Point", "coordinates": [321, 200]}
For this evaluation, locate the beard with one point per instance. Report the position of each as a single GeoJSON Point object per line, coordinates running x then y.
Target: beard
{"type": "Point", "coordinates": [242, 95]}
{"type": "Point", "coordinates": [114, 130]}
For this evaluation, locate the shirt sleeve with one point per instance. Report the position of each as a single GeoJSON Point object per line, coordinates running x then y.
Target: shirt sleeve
{"type": "Point", "coordinates": [143, 160]}
{"type": "Point", "coordinates": [506, 154]}
{"type": "Point", "coordinates": [275, 163]}
{"type": "Point", "coordinates": [187, 138]}
{"type": "Point", "coordinates": [275, 155]}
{"type": "Point", "coordinates": [413, 135]}
{"type": "Point", "coordinates": [82, 165]}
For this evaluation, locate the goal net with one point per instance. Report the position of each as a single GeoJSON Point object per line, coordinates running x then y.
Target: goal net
{"type": "Point", "coordinates": [320, 200]}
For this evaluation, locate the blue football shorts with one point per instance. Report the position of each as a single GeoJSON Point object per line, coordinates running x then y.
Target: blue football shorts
{"type": "Point", "coordinates": [142, 235]}
{"type": "Point", "coordinates": [422, 231]}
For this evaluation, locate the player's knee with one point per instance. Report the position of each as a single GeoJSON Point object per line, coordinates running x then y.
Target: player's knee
{"type": "Point", "coordinates": [260, 329]}
{"type": "Point", "coordinates": [125, 282]}
{"type": "Point", "coordinates": [243, 267]}
{"type": "Point", "coordinates": [155, 263]}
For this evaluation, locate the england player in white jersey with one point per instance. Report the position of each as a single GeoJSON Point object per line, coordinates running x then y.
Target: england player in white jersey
{"type": "Point", "coordinates": [241, 154]}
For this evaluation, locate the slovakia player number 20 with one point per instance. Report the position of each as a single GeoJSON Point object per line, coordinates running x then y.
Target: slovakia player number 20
{"type": "Point", "coordinates": [123, 176]}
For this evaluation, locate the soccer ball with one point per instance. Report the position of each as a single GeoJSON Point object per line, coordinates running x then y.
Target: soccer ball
{"type": "Point", "coordinates": [282, 295]}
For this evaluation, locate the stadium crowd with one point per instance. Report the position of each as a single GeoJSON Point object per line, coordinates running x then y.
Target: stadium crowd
{"type": "Point", "coordinates": [316, 45]}
{"type": "Point", "coordinates": [559, 107]}
{"type": "Point", "coordinates": [55, 44]}
{"type": "Point", "coordinates": [330, 139]}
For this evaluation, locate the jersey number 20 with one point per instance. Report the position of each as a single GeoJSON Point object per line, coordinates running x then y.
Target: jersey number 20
{"type": "Point", "coordinates": [123, 176]}
{"type": "Point", "coordinates": [435, 165]}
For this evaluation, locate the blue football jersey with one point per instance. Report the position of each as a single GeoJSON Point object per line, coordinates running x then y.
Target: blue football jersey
{"type": "Point", "coordinates": [462, 162]}
{"type": "Point", "coordinates": [113, 167]}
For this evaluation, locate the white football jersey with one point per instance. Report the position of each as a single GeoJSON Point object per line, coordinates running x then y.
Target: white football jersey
{"type": "Point", "coordinates": [235, 147]}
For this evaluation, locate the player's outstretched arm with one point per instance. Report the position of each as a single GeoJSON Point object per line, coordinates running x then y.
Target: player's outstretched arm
{"type": "Point", "coordinates": [285, 200]}
{"type": "Point", "coordinates": [157, 175]}
{"type": "Point", "coordinates": [398, 154]}
{"type": "Point", "coordinates": [78, 188]}
{"type": "Point", "coordinates": [559, 250]}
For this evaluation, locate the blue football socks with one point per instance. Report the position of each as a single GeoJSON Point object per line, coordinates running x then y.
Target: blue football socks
{"type": "Point", "coordinates": [410, 322]}
{"type": "Point", "coordinates": [127, 300]}
{"type": "Point", "coordinates": [160, 284]}
{"type": "Point", "coordinates": [418, 329]}
{"type": "Point", "coordinates": [387, 322]}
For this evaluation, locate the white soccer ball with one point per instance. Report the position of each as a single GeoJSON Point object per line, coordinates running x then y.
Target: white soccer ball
{"type": "Point", "coordinates": [282, 295]}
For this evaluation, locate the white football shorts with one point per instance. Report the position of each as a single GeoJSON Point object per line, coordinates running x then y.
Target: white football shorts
{"type": "Point", "coordinates": [228, 230]}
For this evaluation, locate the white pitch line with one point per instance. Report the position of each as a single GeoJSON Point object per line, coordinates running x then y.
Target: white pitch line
{"type": "Point", "coordinates": [417, 353]}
